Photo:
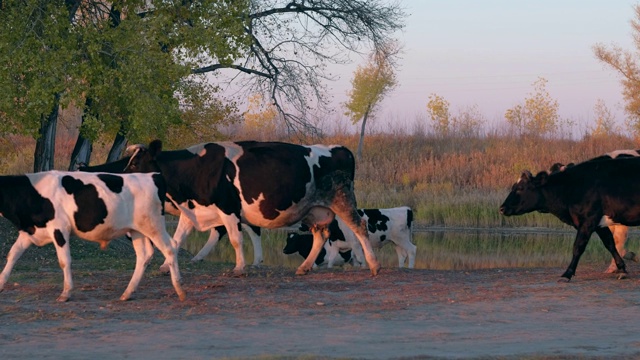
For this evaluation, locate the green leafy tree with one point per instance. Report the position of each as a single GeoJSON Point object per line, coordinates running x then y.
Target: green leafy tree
{"type": "Point", "coordinates": [132, 64]}
{"type": "Point", "coordinates": [370, 84]}
{"type": "Point", "coordinates": [538, 116]}
{"type": "Point", "coordinates": [625, 63]}
{"type": "Point", "coordinates": [128, 62]}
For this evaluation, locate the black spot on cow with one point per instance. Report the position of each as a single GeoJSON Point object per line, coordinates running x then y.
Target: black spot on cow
{"type": "Point", "coordinates": [376, 220]}
{"type": "Point", "coordinates": [113, 182]}
{"type": "Point", "coordinates": [409, 218]}
{"type": "Point", "coordinates": [21, 204]}
{"type": "Point", "coordinates": [335, 233]}
{"type": "Point", "coordinates": [191, 205]}
{"type": "Point", "coordinates": [60, 240]}
{"type": "Point", "coordinates": [92, 210]}
{"type": "Point", "coordinates": [158, 180]}
{"type": "Point", "coordinates": [277, 171]}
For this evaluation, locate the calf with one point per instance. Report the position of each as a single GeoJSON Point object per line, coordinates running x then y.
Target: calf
{"type": "Point", "coordinates": [385, 226]}
{"type": "Point", "coordinates": [589, 196]}
{"type": "Point", "coordinates": [50, 206]}
{"type": "Point", "coordinates": [619, 231]}
{"type": "Point", "coordinates": [302, 243]}
{"type": "Point", "coordinates": [266, 184]}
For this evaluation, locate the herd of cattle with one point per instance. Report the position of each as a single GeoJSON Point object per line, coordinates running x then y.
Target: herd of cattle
{"type": "Point", "coordinates": [226, 187]}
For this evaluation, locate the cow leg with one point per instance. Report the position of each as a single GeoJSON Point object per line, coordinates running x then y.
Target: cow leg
{"type": "Point", "coordinates": [235, 237]}
{"type": "Point", "coordinates": [411, 254]}
{"type": "Point", "coordinates": [64, 260]}
{"type": "Point", "coordinates": [402, 256]}
{"type": "Point", "coordinates": [607, 239]}
{"type": "Point", "coordinates": [184, 228]}
{"type": "Point", "coordinates": [332, 254]}
{"type": "Point", "coordinates": [353, 220]}
{"type": "Point", "coordinates": [320, 235]}
{"type": "Point", "coordinates": [254, 235]}
{"type": "Point", "coordinates": [22, 243]}
{"type": "Point", "coordinates": [214, 235]}
{"type": "Point", "coordinates": [164, 243]}
{"type": "Point", "coordinates": [579, 245]}
{"type": "Point", "coordinates": [141, 246]}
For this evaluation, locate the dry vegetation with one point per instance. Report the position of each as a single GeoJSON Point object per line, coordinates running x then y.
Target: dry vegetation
{"type": "Point", "coordinates": [449, 181]}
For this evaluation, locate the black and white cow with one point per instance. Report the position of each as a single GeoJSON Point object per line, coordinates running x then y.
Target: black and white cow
{"type": "Point", "coordinates": [385, 226]}
{"type": "Point", "coordinates": [333, 251]}
{"type": "Point", "coordinates": [50, 206]}
{"type": "Point", "coordinates": [266, 184]}
{"type": "Point", "coordinates": [619, 231]}
{"type": "Point", "coordinates": [589, 196]}
{"type": "Point", "coordinates": [215, 234]}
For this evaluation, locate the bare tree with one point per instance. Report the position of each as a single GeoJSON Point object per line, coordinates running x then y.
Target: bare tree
{"type": "Point", "coordinates": [292, 42]}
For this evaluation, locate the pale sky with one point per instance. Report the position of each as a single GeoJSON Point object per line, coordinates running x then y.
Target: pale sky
{"type": "Point", "coordinates": [489, 53]}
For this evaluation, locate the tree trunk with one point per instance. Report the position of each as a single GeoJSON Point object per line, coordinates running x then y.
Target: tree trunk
{"type": "Point", "coordinates": [81, 154]}
{"type": "Point", "coordinates": [43, 159]}
{"type": "Point", "coordinates": [119, 144]}
{"type": "Point", "coordinates": [361, 142]}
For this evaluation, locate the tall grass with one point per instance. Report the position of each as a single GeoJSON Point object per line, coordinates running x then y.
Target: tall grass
{"type": "Point", "coordinates": [448, 181]}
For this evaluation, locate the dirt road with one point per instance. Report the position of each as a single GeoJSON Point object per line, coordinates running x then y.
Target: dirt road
{"type": "Point", "coordinates": [339, 313]}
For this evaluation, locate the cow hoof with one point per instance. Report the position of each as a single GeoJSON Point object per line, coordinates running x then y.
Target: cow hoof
{"type": "Point", "coordinates": [182, 295]}
{"type": "Point", "coordinates": [125, 297]}
{"type": "Point", "coordinates": [622, 276]}
{"type": "Point", "coordinates": [164, 268]}
{"type": "Point", "coordinates": [62, 298]}
{"type": "Point", "coordinates": [375, 270]}
{"type": "Point", "coordinates": [239, 272]}
{"type": "Point", "coordinates": [564, 279]}
{"type": "Point", "coordinates": [302, 271]}
{"type": "Point", "coordinates": [194, 260]}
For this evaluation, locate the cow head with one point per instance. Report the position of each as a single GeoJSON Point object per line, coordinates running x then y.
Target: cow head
{"type": "Point", "coordinates": [525, 195]}
{"type": "Point", "coordinates": [144, 159]}
{"type": "Point", "coordinates": [298, 243]}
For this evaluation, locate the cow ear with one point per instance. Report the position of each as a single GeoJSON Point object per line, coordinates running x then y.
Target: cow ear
{"type": "Point", "coordinates": [526, 176]}
{"type": "Point", "coordinates": [541, 178]}
{"type": "Point", "coordinates": [155, 147]}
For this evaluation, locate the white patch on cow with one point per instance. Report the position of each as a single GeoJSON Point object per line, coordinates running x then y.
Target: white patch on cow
{"type": "Point", "coordinates": [197, 149]}
{"type": "Point", "coordinates": [616, 153]}
{"type": "Point", "coordinates": [318, 151]}
{"type": "Point", "coordinates": [606, 221]}
{"type": "Point", "coordinates": [202, 217]}
{"type": "Point", "coordinates": [232, 150]}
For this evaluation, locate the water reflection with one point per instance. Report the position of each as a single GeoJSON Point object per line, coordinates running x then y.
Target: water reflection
{"type": "Point", "coordinates": [444, 250]}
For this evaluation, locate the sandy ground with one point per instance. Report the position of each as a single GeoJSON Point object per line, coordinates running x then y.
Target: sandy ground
{"type": "Point", "coordinates": [330, 313]}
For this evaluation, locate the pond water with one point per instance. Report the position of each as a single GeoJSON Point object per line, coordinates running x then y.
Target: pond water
{"type": "Point", "coordinates": [443, 250]}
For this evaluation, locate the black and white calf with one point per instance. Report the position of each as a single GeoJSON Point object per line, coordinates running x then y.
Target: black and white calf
{"type": "Point", "coordinates": [50, 206]}
{"type": "Point", "coordinates": [266, 184]}
{"type": "Point", "coordinates": [385, 226]}
{"type": "Point", "coordinates": [619, 231]}
{"type": "Point", "coordinates": [589, 196]}
{"type": "Point", "coordinates": [333, 252]}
